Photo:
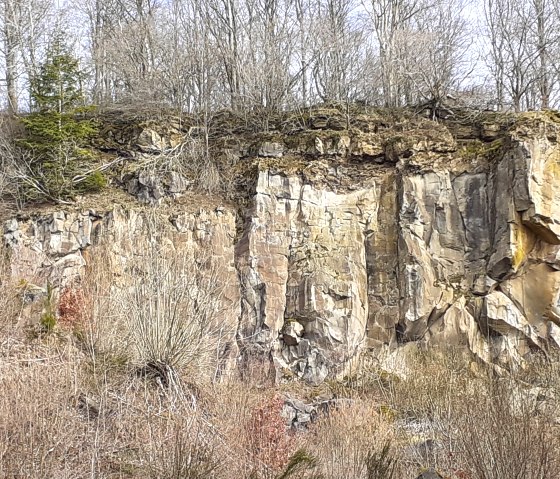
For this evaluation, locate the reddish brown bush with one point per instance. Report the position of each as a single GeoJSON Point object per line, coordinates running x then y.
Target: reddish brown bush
{"type": "Point", "coordinates": [71, 307]}
{"type": "Point", "coordinates": [270, 443]}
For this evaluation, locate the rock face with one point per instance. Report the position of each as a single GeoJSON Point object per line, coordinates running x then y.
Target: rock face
{"type": "Point", "coordinates": [302, 260]}
{"type": "Point", "coordinates": [372, 239]}
{"type": "Point", "coordinates": [56, 249]}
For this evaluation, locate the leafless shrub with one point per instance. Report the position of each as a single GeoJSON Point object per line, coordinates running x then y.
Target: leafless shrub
{"type": "Point", "coordinates": [436, 380]}
{"type": "Point", "coordinates": [499, 434]}
{"type": "Point", "coordinates": [483, 425]}
{"type": "Point", "coordinates": [71, 306]}
{"type": "Point", "coordinates": [542, 370]}
{"type": "Point", "coordinates": [56, 420]}
{"type": "Point", "coordinates": [10, 301]}
{"type": "Point", "coordinates": [53, 425]}
{"type": "Point", "coordinates": [174, 312]}
{"type": "Point", "coordinates": [195, 161]}
{"type": "Point", "coordinates": [10, 157]}
{"type": "Point", "coordinates": [353, 440]}
{"type": "Point", "coordinates": [182, 450]}
{"type": "Point", "coordinates": [4, 183]}
{"type": "Point", "coordinates": [231, 409]}
{"type": "Point", "coordinates": [269, 441]}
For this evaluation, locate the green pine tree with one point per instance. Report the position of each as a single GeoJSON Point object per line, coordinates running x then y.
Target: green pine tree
{"type": "Point", "coordinates": [57, 131]}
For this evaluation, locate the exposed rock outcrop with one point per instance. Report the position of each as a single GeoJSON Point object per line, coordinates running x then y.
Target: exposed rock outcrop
{"type": "Point", "coordinates": [359, 233]}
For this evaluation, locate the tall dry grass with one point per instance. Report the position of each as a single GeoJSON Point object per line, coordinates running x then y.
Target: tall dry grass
{"type": "Point", "coordinates": [354, 440]}
{"type": "Point", "coordinates": [53, 425]}
{"type": "Point", "coordinates": [478, 424]}
{"type": "Point", "coordinates": [56, 421]}
{"type": "Point", "coordinates": [40, 433]}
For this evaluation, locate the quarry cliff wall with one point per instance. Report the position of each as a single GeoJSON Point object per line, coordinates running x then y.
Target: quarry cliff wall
{"type": "Point", "coordinates": [343, 234]}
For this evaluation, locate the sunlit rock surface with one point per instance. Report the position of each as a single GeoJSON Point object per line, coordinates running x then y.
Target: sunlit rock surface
{"type": "Point", "coordinates": [354, 238]}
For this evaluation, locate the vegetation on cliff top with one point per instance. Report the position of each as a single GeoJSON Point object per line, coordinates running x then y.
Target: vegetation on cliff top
{"type": "Point", "coordinates": [56, 133]}
{"type": "Point", "coordinates": [65, 149]}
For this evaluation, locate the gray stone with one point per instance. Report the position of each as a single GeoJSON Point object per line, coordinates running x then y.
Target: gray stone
{"type": "Point", "coordinates": [297, 414]}
{"type": "Point", "coordinates": [271, 149]}
{"type": "Point", "coordinates": [150, 141]}
{"type": "Point", "coordinates": [33, 293]}
{"type": "Point", "coordinates": [430, 474]}
{"type": "Point", "coordinates": [146, 187]}
{"type": "Point", "coordinates": [177, 183]}
{"type": "Point", "coordinates": [11, 226]}
{"type": "Point", "coordinates": [490, 131]}
{"type": "Point", "coordinates": [292, 332]}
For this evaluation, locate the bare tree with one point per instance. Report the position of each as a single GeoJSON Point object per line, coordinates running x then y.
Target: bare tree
{"type": "Point", "coordinates": [270, 70]}
{"type": "Point", "coordinates": [223, 20]}
{"type": "Point", "coordinates": [11, 52]}
{"type": "Point", "coordinates": [339, 40]}
{"type": "Point", "coordinates": [262, 56]}
{"type": "Point", "coordinates": [434, 58]}
{"type": "Point", "coordinates": [389, 17]}
{"type": "Point", "coordinates": [101, 27]}
{"type": "Point", "coordinates": [510, 24]}
{"type": "Point", "coordinates": [303, 49]}
{"type": "Point", "coordinates": [522, 35]}
{"type": "Point", "coordinates": [26, 26]}
{"type": "Point", "coordinates": [546, 39]}
{"type": "Point", "coordinates": [122, 48]}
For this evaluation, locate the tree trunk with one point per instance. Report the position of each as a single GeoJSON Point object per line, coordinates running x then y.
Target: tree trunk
{"type": "Point", "coordinates": [544, 82]}
{"type": "Point", "coordinates": [11, 48]}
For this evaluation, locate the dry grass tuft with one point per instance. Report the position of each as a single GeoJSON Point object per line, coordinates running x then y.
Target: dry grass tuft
{"type": "Point", "coordinates": [353, 440]}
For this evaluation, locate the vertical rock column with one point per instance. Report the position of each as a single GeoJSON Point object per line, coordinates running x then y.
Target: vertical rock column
{"type": "Point", "coordinates": [303, 267]}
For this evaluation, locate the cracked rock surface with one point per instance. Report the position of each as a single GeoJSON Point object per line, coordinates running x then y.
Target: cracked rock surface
{"type": "Point", "coordinates": [372, 240]}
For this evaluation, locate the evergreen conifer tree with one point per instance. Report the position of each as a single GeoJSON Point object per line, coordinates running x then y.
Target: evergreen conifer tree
{"type": "Point", "coordinates": [57, 131]}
